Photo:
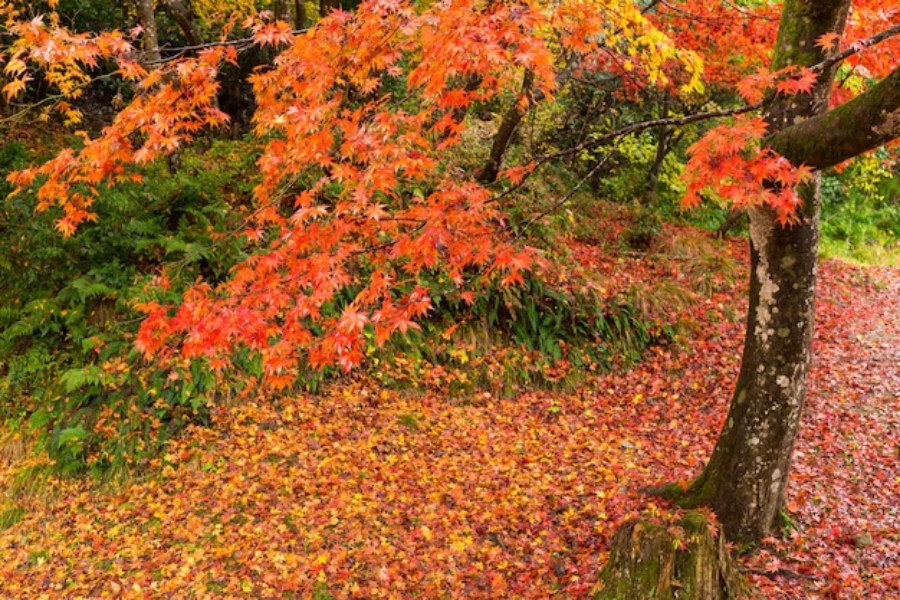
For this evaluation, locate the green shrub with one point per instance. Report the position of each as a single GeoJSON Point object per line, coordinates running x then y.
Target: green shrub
{"type": "Point", "coordinates": [861, 211]}
{"type": "Point", "coordinates": [68, 369]}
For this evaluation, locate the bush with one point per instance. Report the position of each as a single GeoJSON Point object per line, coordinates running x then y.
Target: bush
{"type": "Point", "coordinates": [861, 211]}
{"type": "Point", "coordinates": [67, 308]}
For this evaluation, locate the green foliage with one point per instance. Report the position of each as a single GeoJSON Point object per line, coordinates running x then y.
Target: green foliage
{"type": "Point", "coordinates": [92, 15]}
{"type": "Point", "coordinates": [545, 320]}
{"type": "Point", "coordinates": [644, 229]}
{"type": "Point", "coordinates": [532, 335]}
{"type": "Point", "coordinates": [861, 212]}
{"type": "Point", "coordinates": [67, 308]}
{"type": "Point", "coordinates": [634, 157]}
{"type": "Point", "coordinates": [320, 592]}
{"type": "Point", "coordinates": [11, 516]}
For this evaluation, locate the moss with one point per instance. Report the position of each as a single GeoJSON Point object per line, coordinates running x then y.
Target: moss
{"type": "Point", "coordinates": [669, 491]}
{"type": "Point", "coordinates": [802, 22]}
{"type": "Point", "coordinates": [687, 562]}
{"type": "Point", "coordinates": [844, 131]}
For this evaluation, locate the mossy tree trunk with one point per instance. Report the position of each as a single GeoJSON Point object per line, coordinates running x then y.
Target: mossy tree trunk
{"type": "Point", "coordinates": [745, 478]}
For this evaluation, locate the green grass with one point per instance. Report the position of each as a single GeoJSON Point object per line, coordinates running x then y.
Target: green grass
{"type": "Point", "coordinates": [11, 516]}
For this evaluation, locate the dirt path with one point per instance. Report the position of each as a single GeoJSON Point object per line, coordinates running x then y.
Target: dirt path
{"type": "Point", "coordinates": [844, 496]}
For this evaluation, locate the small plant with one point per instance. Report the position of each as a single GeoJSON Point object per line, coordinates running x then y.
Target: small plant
{"type": "Point", "coordinates": [320, 592]}
{"type": "Point", "coordinates": [644, 230]}
{"type": "Point", "coordinates": [410, 421]}
{"type": "Point", "coordinates": [11, 516]}
{"type": "Point", "coordinates": [788, 525]}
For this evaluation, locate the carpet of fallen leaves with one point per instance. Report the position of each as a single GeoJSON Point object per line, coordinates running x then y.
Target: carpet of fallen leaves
{"type": "Point", "coordinates": [368, 492]}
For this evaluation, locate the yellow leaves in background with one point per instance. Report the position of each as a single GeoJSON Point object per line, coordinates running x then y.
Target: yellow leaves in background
{"type": "Point", "coordinates": [620, 29]}
{"type": "Point", "coordinates": [212, 11]}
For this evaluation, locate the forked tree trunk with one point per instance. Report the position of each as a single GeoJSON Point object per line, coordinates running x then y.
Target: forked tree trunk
{"type": "Point", "coordinates": [185, 20]}
{"type": "Point", "coordinates": [744, 480]}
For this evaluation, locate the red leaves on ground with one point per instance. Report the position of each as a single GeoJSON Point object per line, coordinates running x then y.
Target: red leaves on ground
{"type": "Point", "coordinates": [845, 480]}
{"type": "Point", "coordinates": [364, 492]}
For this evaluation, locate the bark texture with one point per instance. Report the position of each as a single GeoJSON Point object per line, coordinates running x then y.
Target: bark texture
{"type": "Point", "coordinates": [744, 480]}
{"type": "Point", "coordinates": [648, 561]}
{"type": "Point", "coordinates": [860, 125]}
{"type": "Point", "coordinates": [185, 20]}
{"type": "Point", "coordinates": [151, 35]}
{"type": "Point", "coordinates": [502, 139]}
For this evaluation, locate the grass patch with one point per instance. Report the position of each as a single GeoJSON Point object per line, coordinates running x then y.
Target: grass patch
{"type": "Point", "coordinates": [11, 516]}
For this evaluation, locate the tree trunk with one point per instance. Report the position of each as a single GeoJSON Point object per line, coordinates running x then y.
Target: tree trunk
{"type": "Point", "coordinates": [744, 481]}
{"type": "Point", "coordinates": [185, 20]}
{"type": "Point", "coordinates": [652, 562]}
{"type": "Point", "coordinates": [282, 10]}
{"type": "Point", "coordinates": [299, 14]}
{"type": "Point", "coordinates": [151, 37]}
{"type": "Point", "coordinates": [864, 123]}
{"type": "Point", "coordinates": [731, 220]}
{"type": "Point", "coordinates": [502, 139]}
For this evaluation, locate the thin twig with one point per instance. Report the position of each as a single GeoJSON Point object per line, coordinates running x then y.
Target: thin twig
{"type": "Point", "coordinates": [857, 47]}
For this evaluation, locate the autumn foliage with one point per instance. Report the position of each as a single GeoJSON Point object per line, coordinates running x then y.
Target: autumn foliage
{"type": "Point", "coordinates": [364, 213]}
{"type": "Point", "coordinates": [356, 118]}
{"type": "Point", "coordinates": [367, 492]}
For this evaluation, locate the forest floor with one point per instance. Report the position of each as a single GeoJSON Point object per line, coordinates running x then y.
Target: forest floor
{"type": "Point", "coordinates": [364, 491]}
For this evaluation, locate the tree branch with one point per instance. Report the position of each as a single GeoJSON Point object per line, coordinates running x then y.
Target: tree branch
{"type": "Point", "coordinates": [182, 16]}
{"type": "Point", "coordinates": [857, 47]}
{"type": "Point", "coordinates": [851, 129]}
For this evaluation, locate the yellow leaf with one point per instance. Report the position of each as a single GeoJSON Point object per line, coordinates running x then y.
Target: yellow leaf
{"type": "Point", "coordinates": [12, 89]}
{"type": "Point", "coordinates": [15, 66]}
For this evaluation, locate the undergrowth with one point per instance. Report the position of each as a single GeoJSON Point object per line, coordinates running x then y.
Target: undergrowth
{"type": "Point", "coordinates": [70, 377]}
{"type": "Point", "coordinates": [68, 370]}
{"type": "Point", "coordinates": [861, 213]}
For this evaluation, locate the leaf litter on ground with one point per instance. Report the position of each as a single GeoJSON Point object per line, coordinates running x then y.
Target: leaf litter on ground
{"type": "Point", "coordinates": [363, 491]}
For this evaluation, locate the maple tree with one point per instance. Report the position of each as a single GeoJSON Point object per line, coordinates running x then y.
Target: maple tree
{"type": "Point", "coordinates": [744, 482]}
{"type": "Point", "coordinates": [357, 206]}
{"type": "Point", "coordinates": [374, 196]}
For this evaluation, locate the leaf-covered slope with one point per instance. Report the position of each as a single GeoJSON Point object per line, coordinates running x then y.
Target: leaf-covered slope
{"type": "Point", "coordinates": [364, 492]}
